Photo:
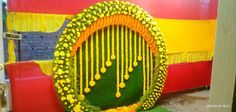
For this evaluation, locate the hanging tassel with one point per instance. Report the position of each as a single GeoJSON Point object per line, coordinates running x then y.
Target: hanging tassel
{"type": "Point", "coordinates": [130, 51]}
{"type": "Point", "coordinates": [126, 55]}
{"type": "Point", "coordinates": [11, 51]}
{"type": "Point", "coordinates": [81, 96]}
{"type": "Point", "coordinates": [135, 63]}
{"type": "Point", "coordinates": [147, 67]}
{"type": "Point", "coordinates": [108, 62]}
{"type": "Point", "coordinates": [144, 67]}
{"type": "Point", "coordinates": [151, 67]}
{"type": "Point", "coordinates": [86, 89]}
{"type": "Point", "coordinates": [113, 43]}
{"type": "Point", "coordinates": [103, 69]}
{"type": "Point", "coordinates": [118, 94]}
{"type": "Point", "coordinates": [75, 76]}
{"type": "Point", "coordinates": [92, 82]}
{"type": "Point", "coordinates": [97, 75]}
{"type": "Point", "coordinates": [122, 84]}
{"type": "Point", "coordinates": [140, 48]}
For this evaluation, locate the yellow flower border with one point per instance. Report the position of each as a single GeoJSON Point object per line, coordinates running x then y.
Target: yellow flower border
{"type": "Point", "coordinates": [71, 38]}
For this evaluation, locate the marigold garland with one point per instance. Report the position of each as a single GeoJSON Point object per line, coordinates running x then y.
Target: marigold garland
{"type": "Point", "coordinates": [80, 28]}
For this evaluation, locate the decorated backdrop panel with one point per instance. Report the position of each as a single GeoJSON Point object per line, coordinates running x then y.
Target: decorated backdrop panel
{"type": "Point", "coordinates": [187, 24]}
{"type": "Point", "coordinates": [111, 54]}
{"type": "Point", "coordinates": [188, 27]}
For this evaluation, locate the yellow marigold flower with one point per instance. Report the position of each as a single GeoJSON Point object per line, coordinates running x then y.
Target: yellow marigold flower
{"type": "Point", "coordinates": [77, 108]}
{"type": "Point", "coordinates": [67, 54]}
{"type": "Point", "coordinates": [63, 98]}
{"type": "Point", "coordinates": [56, 53]}
{"type": "Point", "coordinates": [65, 45]}
{"type": "Point", "coordinates": [65, 88]}
{"type": "Point", "coordinates": [59, 71]}
{"type": "Point", "coordinates": [54, 68]}
{"type": "Point", "coordinates": [68, 80]}
{"type": "Point", "coordinates": [60, 91]}
{"type": "Point", "coordinates": [69, 97]}
{"type": "Point", "coordinates": [60, 61]}
{"type": "Point", "coordinates": [62, 53]}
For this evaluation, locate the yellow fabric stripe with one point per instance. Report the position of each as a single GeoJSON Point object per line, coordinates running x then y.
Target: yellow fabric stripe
{"type": "Point", "coordinates": [188, 35]}
{"type": "Point", "coordinates": [174, 58]}
{"type": "Point", "coordinates": [199, 35]}
{"type": "Point", "coordinates": [35, 22]}
{"type": "Point", "coordinates": [46, 66]}
{"type": "Point", "coordinates": [189, 57]}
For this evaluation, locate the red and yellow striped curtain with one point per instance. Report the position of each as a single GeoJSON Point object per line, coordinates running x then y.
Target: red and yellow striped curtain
{"type": "Point", "coordinates": [187, 25]}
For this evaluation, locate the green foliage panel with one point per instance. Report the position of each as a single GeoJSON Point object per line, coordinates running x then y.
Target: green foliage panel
{"type": "Point", "coordinates": [103, 93]}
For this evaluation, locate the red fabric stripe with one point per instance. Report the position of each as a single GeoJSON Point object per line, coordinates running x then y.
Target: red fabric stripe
{"type": "Point", "coordinates": [172, 9]}
{"type": "Point", "coordinates": [187, 76]}
{"type": "Point", "coordinates": [31, 90]}
{"type": "Point", "coordinates": [29, 85]}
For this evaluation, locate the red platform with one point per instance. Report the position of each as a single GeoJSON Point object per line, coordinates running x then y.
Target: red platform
{"type": "Point", "coordinates": [32, 91]}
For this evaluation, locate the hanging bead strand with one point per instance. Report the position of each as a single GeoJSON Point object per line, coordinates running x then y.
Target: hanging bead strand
{"type": "Point", "coordinates": [103, 69]}
{"type": "Point", "coordinates": [108, 62]}
{"type": "Point", "coordinates": [118, 94]}
{"type": "Point", "coordinates": [97, 75]}
{"type": "Point", "coordinates": [122, 84]}
{"type": "Point", "coordinates": [126, 54]}
{"type": "Point", "coordinates": [92, 82]}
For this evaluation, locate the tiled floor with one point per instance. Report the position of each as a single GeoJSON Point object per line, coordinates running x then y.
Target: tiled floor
{"type": "Point", "coordinates": [194, 101]}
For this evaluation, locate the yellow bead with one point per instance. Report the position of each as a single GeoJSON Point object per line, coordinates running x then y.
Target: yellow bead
{"type": "Point", "coordinates": [103, 69]}
{"type": "Point", "coordinates": [59, 71]}
{"type": "Point", "coordinates": [65, 45]}
{"type": "Point", "coordinates": [97, 76]}
{"type": "Point", "coordinates": [139, 58]}
{"type": "Point", "coordinates": [81, 97]}
{"type": "Point", "coordinates": [118, 94]}
{"type": "Point", "coordinates": [113, 57]}
{"type": "Point", "coordinates": [122, 85]}
{"type": "Point", "coordinates": [130, 69]}
{"type": "Point", "coordinates": [126, 76]}
{"type": "Point", "coordinates": [62, 53]}
{"type": "Point", "coordinates": [92, 83]}
{"type": "Point", "coordinates": [87, 90]}
{"type": "Point", "coordinates": [56, 53]}
{"type": "Point", "coordinates": [65, 88]}
{"type": "Point", "coordinates": [108, 63]}
{"type": "Point", "coordinates": [135, 63]}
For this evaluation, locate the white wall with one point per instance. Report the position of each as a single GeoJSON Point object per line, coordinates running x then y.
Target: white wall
{"type": "Point", "coordinates": [224, 62]}
{"type": "Point", "coordinates": [2, 76]}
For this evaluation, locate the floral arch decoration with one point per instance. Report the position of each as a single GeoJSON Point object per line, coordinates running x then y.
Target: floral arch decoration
{"type": "Point", "coordinates": [132, 39]}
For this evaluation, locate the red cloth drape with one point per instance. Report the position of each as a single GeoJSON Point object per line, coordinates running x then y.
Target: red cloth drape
{"type": "Point", "coordinates": [32, 91]}
{"type": "Point", "coordinates": [168, 9]}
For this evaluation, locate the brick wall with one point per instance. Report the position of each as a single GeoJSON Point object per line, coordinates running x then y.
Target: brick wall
{"type": "Point", "coordinates": [35, 45]}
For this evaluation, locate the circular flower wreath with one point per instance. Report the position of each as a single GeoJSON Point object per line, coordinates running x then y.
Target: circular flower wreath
{"type": "Point", "coordinates": [63, 60]}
